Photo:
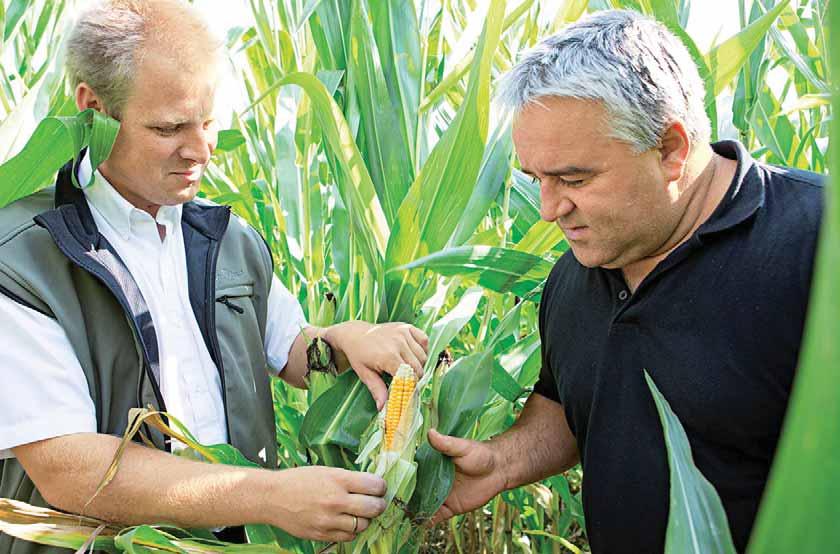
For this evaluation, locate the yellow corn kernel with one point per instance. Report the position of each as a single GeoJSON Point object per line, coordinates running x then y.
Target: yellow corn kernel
{"type": "Point", "coordinates": [402, 387]}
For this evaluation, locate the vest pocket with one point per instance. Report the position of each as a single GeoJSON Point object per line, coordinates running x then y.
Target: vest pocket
{"type": "Point", "coordinates": [235, 298]}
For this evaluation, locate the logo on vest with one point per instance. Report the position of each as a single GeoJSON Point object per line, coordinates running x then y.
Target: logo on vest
{"type": "Point", "coordinates": [227, 275]}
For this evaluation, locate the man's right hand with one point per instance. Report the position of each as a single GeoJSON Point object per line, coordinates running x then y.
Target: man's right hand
{"type": "Point", "coordinates": [311, 502]}
{"type": "Point", "coordinates": [479, 475]}
{"type": "Point", "coordinates": [538, 445]}
{"type": "Point", "coordinates": [319, 503]}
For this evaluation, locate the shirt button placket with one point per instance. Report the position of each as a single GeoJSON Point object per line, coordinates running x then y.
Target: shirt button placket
{"type": "Point", "coordinates": [623, 295]}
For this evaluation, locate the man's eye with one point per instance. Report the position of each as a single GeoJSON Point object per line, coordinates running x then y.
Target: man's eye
{"type": "Point", "coordinates": [535, 180]}
{"type": "Point", "coordinates": [166, 131]}
{"type": "Point", "coordinates": [572, 182]}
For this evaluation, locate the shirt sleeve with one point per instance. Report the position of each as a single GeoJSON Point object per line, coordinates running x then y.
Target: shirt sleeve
{"type": "Point", "coordinates": [285, 322]}
{"type": "Point", "coordinates": [546, 385]}
{"type": "Point", "coordinates": [45, 391]}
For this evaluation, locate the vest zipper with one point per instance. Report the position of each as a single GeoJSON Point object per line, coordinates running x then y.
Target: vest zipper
{"type": "Point", "coordinates": [226, 301]}
{"type": "Point", "coordinates": [216, 354]}
{"type": "Point", "coordinates": [104, 276]}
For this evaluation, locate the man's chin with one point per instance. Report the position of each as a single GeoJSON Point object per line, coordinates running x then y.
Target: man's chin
{"type": "Point", "coordinates": [590, 259]}
{"type": "Point", "coordinates": [182, 196]}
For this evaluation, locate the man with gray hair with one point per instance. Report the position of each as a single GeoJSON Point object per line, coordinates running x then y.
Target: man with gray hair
{"type": "Point", "coordinates": [131, 293]}
{"type": "Point", "coordinates": [689, 261]}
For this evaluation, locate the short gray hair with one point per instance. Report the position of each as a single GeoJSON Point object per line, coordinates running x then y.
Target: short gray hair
{"type": "Point", "coordinates": [106, 44]}
{"type": "Point", "coordinates": [643, 75]}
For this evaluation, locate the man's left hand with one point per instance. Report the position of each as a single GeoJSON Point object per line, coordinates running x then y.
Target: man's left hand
{"type": "Point", "coordinates": [374, 349]}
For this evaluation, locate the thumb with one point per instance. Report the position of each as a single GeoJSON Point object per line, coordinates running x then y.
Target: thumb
{"type": "Point", "coordinates": [453, 447]}
{"type": "Point", "coordinates": [375, 385]}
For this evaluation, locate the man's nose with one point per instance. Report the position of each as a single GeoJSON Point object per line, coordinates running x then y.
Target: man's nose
{"type": "Point", "coordinates": [199, 145]}
{"type": "Point", "coordinates": [554, 203]}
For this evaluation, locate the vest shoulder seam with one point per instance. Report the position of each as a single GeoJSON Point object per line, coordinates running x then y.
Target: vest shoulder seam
{"type": "Point", "coordinates": [14, 297]}
{"type": "Point", "coordinates": [17, 231]}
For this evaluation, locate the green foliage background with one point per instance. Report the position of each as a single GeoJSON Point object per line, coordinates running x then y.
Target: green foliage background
{"type": "Point", "coordinates": [367, 153]}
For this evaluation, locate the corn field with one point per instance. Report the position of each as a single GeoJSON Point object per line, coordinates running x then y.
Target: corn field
{"type": "Point", "coordinates": [367, 152]}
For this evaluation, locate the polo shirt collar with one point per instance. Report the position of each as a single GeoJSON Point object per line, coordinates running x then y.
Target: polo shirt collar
{"type": "Point", "coordinates": [116, 210]}
{"type": "Point", "coordinates": [745, 194]}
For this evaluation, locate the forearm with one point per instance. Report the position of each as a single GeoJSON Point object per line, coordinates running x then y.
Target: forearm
{"type": "Point", "coordinates": [149, 486]}
{"type": "Point", "coordinates": [539, 445]}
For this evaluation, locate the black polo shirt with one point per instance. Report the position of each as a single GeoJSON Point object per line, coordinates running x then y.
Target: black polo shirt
{"type": "Point", "coordinates": [717, 324]}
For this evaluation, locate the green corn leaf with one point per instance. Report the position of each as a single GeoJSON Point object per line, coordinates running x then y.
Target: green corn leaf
{"type": "Point", "coordinates": [505, 385]}
{"type": "Point", "coordinates": [776, 131]}
{"type": "Point", "coordinates": [275, 537]}
{"type": "Point", "coordinates": [750, 81]}
{"type": "Point", "coordinates": [56, 141]}
{"type": "Point", "coordinates": [352, 177]}
{"type": "Point", "coordinates": [697, 522]}
{"type": "Point", "coordinates": [706, 74]}
{"type": "Point", "coordinates": [495, 167]}
{"type": "Point", "coordinates": [148, 539]}
{"type": "Point", "coordinates": [666, 12]}
{"type": "Point", "coordinates": [726, 59]}
{"type": "Point", "coordinates": [801, 480]}
{"type": "Point", "coordinates": [463, 392]}
{"type": "Point", "coordinates": [522, 360]}
{"type": "Point", "coordinates": [53, 528]}
{"type": "Point", "coordinates": [542, 237]}
{"type": "Point", "coordinates": [145, 539]}
{"type": "Point", "coordinates": [230, 139]}
{"type": "Point", "coordinates": [452, 79]}
{"type": "Point", "coordinates": [807, 102]}
{"type": "Point", "coordinates": [498, 269]}
{"type": "Point", "coordinates": [14, 13]}
{"type": "Point", "coordinates": [556, 538]}
{"type": "Point", "coordinates": [43, 20]}
{"type": "Point", "coordinates": [340, 415]}
{"type": "Point", "coordinates": [435, 476]}
{"type": "Point", "coordinates": [397, 35]}
{"type": "Point", "coordinates": [19, 125]}
{"type": "Point", "coordinates": [524, 203]}
{"type": "Point", "coordinates": [571, 11]}
{"type": "Point", "coordinates": [448, 327]}
{"type": "Point", "coordinates": [387, 155]}
{"type": "Point", "coordinates": [435, 203]}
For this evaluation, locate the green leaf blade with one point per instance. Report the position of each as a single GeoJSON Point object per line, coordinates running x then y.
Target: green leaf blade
{"type": "Point", "coordinates": [697, 522]}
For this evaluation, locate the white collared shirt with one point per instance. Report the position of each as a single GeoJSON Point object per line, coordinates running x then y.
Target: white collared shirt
{"type": "Point", "coordinates": [45, 392]}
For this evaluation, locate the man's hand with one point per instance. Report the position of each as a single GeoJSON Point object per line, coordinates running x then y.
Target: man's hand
{"type": "Point", "coordinates": [320, 503]}
{"type": "Point", "coordinates": [342, 507]}
{"type": "Point", "coordinates": [478, 474]}
{"type": "Point", "coordinates": [538, 445]}
{"type": "Point", "coordinates": [374, 349]}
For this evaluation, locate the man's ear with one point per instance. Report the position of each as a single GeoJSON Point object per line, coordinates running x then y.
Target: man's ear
{"type": "Point", "coordinates": [87, 98]}
{"type": "Point", "coordinates": [674, 150]}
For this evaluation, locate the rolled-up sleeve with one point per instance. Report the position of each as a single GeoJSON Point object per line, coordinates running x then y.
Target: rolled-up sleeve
{"type": "Point", "coordinates": [284, 323]}
{"type": "Point", "coordinates": [44, 392]}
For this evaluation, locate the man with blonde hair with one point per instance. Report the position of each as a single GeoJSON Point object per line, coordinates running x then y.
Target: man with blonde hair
{"type": "Point", "coordinates": [132, 292]}
{"type": "Point", "coordinates": [687, 260]}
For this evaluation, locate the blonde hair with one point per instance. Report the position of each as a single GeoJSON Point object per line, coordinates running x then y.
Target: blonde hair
{"type": "Point", "coordinates": [108, 41]}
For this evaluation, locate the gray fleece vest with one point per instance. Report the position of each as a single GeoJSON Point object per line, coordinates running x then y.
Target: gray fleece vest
{"type": "Point", "coordinates": [53, 260]}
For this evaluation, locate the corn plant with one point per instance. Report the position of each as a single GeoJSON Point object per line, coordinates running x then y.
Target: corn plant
{"type": "Point", "coordinates": [368, 156]}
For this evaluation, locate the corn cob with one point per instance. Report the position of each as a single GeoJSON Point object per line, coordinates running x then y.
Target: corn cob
{"type": "Point", "coordinates": [399, 396]}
